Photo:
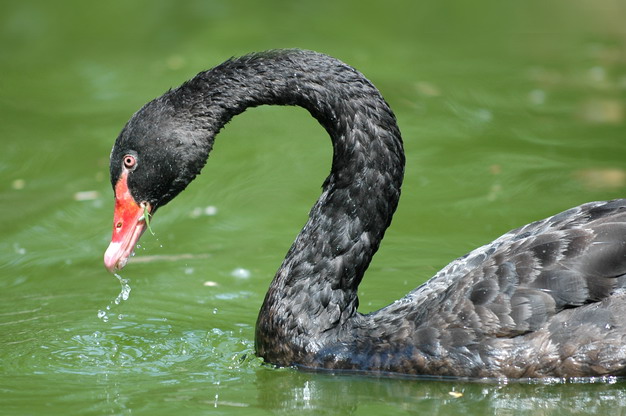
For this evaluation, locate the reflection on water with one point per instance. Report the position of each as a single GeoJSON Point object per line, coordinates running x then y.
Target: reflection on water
{"type": "Point", "coordinates": [285, 392]}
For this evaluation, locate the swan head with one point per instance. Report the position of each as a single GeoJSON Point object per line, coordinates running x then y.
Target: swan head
{"type": "Point", "coordinates": [155, 157]}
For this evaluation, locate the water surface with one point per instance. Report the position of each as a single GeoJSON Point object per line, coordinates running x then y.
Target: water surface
{"type": "Point", "coordinates": [510, 113]}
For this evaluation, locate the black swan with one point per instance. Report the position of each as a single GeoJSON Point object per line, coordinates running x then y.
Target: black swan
{"type": "Point", "coordinates": [544, 300]}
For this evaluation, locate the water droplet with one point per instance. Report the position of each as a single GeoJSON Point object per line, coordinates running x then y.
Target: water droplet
{"type": "Point", "coordinates": [207, 211]}
{"type": "Point", "coordinates": [123, 295]}
{"type": "Point", "coordinates": [125, 292]}
{"type": "Point", "coordinates": [241, 273]}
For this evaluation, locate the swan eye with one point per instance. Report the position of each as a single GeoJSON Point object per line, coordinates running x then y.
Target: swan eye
{"type": "Point", "coordinates": [130, 162]}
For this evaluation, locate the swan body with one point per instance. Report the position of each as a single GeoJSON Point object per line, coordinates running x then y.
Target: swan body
{"type": "Point", "coordinates": [543, 300]}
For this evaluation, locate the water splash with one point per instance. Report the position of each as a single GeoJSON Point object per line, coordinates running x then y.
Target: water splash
{"type": "Point", "coordinates": [124, 294]}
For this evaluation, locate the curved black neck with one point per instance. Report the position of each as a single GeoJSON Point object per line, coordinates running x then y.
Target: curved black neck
{"type": "Point", "coordinates": [315, 290]}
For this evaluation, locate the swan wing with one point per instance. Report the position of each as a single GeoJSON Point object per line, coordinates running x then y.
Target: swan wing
{"type": "Point", "coordinates": [517, 283]}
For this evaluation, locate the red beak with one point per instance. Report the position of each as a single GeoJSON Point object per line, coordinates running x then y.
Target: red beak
{"type": "Point", "coordinates": [129, 224]}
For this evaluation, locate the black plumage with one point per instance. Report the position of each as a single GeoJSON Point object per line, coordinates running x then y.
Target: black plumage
{"type": "Point", "coordinates": [546, 299]}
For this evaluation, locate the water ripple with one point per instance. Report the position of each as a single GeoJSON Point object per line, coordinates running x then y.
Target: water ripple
{"type": "Point", "coordinates": [150, 349]}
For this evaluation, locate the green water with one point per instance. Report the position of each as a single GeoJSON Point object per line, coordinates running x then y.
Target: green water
{"type": "Point", "coordinates": [510, 111]}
